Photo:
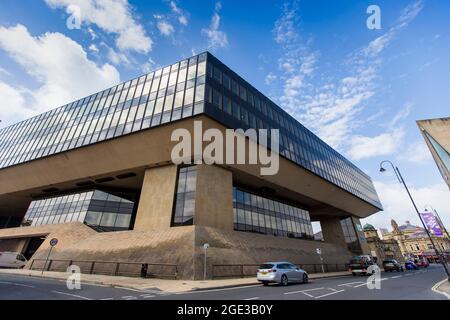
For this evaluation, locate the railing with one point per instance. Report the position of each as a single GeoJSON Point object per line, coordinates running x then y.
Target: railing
{"type": "Point", "coordinates": [249, 270]}
{"type": "Point", "coordinates": [113, 268]}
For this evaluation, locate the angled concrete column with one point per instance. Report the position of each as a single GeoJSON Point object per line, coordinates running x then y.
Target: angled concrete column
{"type": "Point", "coordinates": [332, 230]}
{"type": "Point", "coordinates": [214, 197]}
{"type": "Point", "coordinates": [157, 197]}
{"type": "Point", "coordinates": [360, 234]}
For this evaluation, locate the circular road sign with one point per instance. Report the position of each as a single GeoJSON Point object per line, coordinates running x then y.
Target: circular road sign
{"type": "Point", "coordinates": [53, 242]}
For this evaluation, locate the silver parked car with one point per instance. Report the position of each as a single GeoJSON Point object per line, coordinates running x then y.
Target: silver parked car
{"type": "Point", "coordinates": [280, 272]}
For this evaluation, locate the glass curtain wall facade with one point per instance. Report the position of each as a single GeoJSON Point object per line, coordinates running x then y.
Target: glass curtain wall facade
{"type": "Point", "coordinates": [255, 213]}
{"type": "Point", "coordinates": [237, 104]}
{"type": "Point", "coordinates": [100, 210]}
{"type": "Point", "coordinates": [10, 222]}
{"type": "Point", "coordinates": [443, 155]}
{"type": "Point", "coordinates": [168, 94]}
{"type": "Point", "coordinates": [185, 197]}
{"type": "Point", "coordinates": [350, 235]}
{"type": "Point", "coordinates": [171, 93]}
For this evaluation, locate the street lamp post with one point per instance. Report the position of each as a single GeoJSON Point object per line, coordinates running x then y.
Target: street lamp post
{"type": "Point", "coordinates": [401, 180]}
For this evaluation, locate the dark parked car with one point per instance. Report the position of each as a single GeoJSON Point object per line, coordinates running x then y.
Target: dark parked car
{"type": "Point", "coordinates": [410, 265]}
{"type": "Point", "coordinates": [392, 265]}
{"type": "Point", "coordinates": [359, 264]}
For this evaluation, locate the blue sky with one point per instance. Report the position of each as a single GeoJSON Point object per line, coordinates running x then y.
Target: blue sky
{"type": "Point", "coordinates": [360, 90]}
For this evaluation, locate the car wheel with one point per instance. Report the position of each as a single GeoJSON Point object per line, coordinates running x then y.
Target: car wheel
{"type": "Point", "coordinates": [305, 278]}
{"type": "Point", "coordinates": [265, 283]}
{"type": "Point", "coordinates": [284, 280]}
{"type": "Point", "coordinates": [354, 274]}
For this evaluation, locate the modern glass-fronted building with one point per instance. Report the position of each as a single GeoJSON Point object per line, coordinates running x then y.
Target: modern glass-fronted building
{"type": "Point", "coordinates": [100, 210]}
{"type": "Point", "coordinates": [169, 94]}
{"type": "Point", "coordinates": [436, 133]}
{"type": "Point", "coordinates": [104, 161]}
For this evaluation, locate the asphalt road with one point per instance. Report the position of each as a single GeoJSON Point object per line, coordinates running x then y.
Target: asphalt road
{"type": "Point", "coordinates": [401, 286]}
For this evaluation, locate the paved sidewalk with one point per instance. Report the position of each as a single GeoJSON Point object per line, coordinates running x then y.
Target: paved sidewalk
{"type": "Point", "coordinates": [169, 286]}
{"type": "Point", "coordinates": [443, 287]}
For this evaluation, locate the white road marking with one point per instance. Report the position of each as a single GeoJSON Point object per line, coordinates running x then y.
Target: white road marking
{"type": "Point", "coordinates": [307, 294]}
{"type": "Point", "coordinates": [349, 284]}
{"type": "Point", "coordinates": [329, 294]}
{"type": "Point", "coordinates": [128, 297]}
{"type": "Point", "coordinates": [434, 289]}
{"type": "Point", "coordinates": [72, 295]}
{"type": "Point", "coordinates": [147, 296]}
{"type": "Point", "coordinates": [360, 285]}
{"type": "Point", "coordinates": [107, 299]}
{"type": "Point", "coordinates": [219, 289]}
{"type": "Point", "coordinates": [303, 291]}
{"type": "Point", "coordinates": [17, 284]}
{"type": "Point", "coordinates": [254, 298]}
{"type": "Point", "coordinates": [395, 277]}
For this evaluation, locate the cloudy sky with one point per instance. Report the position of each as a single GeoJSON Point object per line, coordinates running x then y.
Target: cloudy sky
{"type": "Point", "coordinates": [360, 90]}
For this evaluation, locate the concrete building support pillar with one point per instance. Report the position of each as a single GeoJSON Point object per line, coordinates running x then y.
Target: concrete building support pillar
{"type": "Point", "coordinates": [157, 197]}
{"type": "Point", "coordinates": [214, 198]}
{"type": "Point", "coordinates": [332, 230]}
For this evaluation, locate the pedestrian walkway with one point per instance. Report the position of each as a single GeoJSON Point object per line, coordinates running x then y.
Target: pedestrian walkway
{"type": "Point", "coordinates": [443, 287]}
{"type": "Point", "coordinates": [161, 285]}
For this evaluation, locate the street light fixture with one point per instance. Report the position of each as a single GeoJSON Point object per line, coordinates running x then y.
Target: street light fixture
{"type": "Point", "coordinates": [402, 181]}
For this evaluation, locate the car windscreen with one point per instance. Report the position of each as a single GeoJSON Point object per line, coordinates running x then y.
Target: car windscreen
{"type": "Point", "coordinates": [266, 266]}
{"type": "Point", "coordinates": [388, 261]}
{"type": "Point", "coordinates": [358, 260]}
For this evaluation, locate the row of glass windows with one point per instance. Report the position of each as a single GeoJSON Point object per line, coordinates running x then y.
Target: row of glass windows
{"type": "Point", "coordinates": [94, 208]}
{"type": "Point", "coordinates": [185, 197]}
{"type": "Point", "coordinates": [350, 236]}
{"type": "Point", "coordinates": [244, 107]}
{"type": "Point", "coordinates": [348, 230]}
{"type": "Point", "coordinates": [254, 213]}
{"type": "Point", "coordinates": [168, 94]}
{"type": "Point", "coordinates": [10, 222]}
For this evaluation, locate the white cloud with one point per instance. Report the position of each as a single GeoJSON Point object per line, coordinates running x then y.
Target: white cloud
{"type": "Point", "coordinates": [117, 58]}
{"type": "Point", "coordinates": [216, 37]}
{"type": "Point", "coordinates": [13, 105]}
{"type": "Point", "coordinates": [417, 153]}
{"type": "Point", "coordinates": [333, 105]}
{"type": "Point", "coordinates": [149, 66]}
{"type": "Point", "coordinates": [362, 147]}
{"type": "Point", "coordinates": [112, 16]}
{"type": "Point", "coordinates": [182, 15]}
{"type": "Point", "coordinates": [400, 116]}
{"type": "Point", "coordinates": [398, 206]}
{"type": "Point", "coordinates": [92, 33]}
{"type": "Point", "coordinates": [93, 48]}
{"type": "Point", "coordinates": [270, 78]}
{"type": "Point", "coordinates": [58, 64]}
{"type": "Point", "coordinates": [4, 72]}
{"type": "Point", "coordinates": [387, 143]}
{"type": "Point", "coordinates": [165, 28]}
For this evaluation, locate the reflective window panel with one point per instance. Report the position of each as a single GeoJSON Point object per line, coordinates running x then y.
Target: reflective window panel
{"type": "Point", "coordinates": [100, 210]}
{"type": "Point", "coordinates": [185, 197]}
{"type": "Point", "coordinates": [259, 214]}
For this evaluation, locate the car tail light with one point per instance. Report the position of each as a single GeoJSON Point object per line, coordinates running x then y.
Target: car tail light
{"type": "Point", "coordinates": [272, 270]}
{"type": "Point", "coordinates": [258, 270]}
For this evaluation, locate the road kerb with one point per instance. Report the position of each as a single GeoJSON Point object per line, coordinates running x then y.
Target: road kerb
{"type": "Point", "coordinates": [437, 285]}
